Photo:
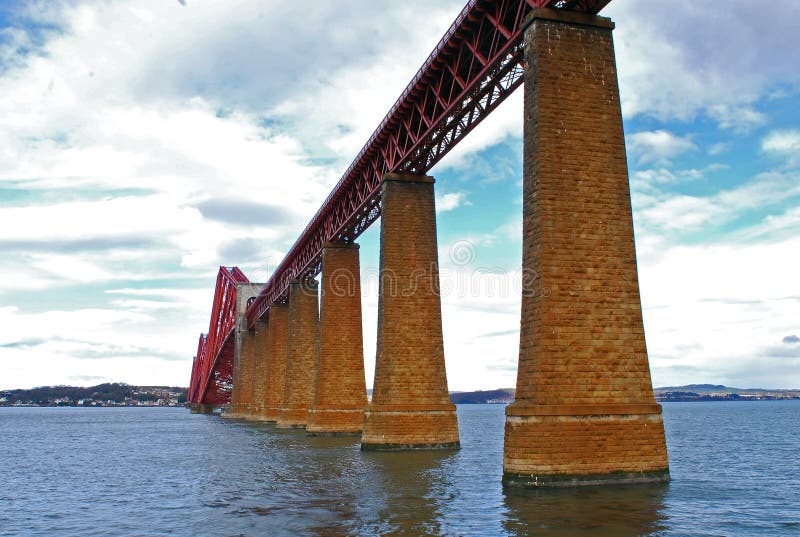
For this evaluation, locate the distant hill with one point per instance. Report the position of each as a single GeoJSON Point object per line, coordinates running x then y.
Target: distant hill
{"type": "Point", "coordinates": [500, 396]}
{"type": "Point", "coordinates": [718, 392]}
{"type": "Point", "coordinates": [503, 395]}
{"type": "Point", "coordinates": [114, 393]}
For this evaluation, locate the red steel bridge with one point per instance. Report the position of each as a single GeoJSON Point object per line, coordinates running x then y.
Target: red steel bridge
{"type": "Point", "coordinates": [473, 68]}
{"type": "Point", "coordinates": [212, 370]}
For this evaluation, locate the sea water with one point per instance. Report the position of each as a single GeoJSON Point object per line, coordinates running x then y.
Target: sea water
{"type": "Point", "coordinates": [164, 471]}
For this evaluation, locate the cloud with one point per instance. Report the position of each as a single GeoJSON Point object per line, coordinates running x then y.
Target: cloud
{"type": "Point", "coordinates": [243, 212]}
{"type": "Point", "coordinates": [676, 63]}
{"type": "Point", "coordinates": [665, 176]}
{"type": "Point", "coordinates": [718, 148]}
{"type": "Point", "coordinates": [737, 118]}
{"type": "Point", "coordinates": [791, 340]}
{"type": "Point", "coordinates": [658, 146]}
{"type": "Point", "coordinates": [783, 143]}
{"type": "Point", "coordinates": [248, 250]}
{"type": "Point", "coordinates": [452, 200]}
{"type": "Point", "coordinates": [79, 245]}
{"type": "Point", "coordinates": [667, 211]}
{"type": "Point", "coordinates": [707, 306]}
{"type": "Point", "coordinates": [681, 212]}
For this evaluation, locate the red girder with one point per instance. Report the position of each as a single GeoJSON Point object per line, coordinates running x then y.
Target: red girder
{"type": "Point", "coordinates": [473, 68]}
{"type": "Point", "coordinates": [212, 370]}
{"type": "Point", "coordinates": [199, 359]}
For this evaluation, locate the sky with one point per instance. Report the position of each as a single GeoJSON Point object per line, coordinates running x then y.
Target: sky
{"type": "Point", "coordinates": [144, 143]}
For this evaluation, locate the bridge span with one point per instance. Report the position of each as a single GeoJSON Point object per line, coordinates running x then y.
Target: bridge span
{"type": "Point", "coordinates": [289, 350]}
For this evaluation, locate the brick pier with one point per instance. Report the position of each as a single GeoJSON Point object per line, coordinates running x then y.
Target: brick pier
{"type": "Point", "coordinates": [410, 406]}
{"type": "Point", "coordinates": [260, 367]}
{"type": "Point", "coordinates": [584, 411]}
{"type": "Point", "coordinates": [302, 354]}
{"type": "Point", "coordinates": [243, 357]}
{"type": "Point", "coordinates": [341, 393]}
{"type": "Point", "coordinates": [277, 341]}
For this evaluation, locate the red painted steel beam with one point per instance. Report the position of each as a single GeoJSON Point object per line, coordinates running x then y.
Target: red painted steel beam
{"type": "Point", "coordinates": [197, 368]}
{"type": "Point", "coordinates": [473, 68]}
{"type": "Point", "coordinates": [212, 381]}
{"type": "Point", "coordinates": [198, 359]}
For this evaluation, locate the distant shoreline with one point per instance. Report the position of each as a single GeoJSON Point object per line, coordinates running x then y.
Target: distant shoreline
{"type": "Point", "coordinates": [118, 395]}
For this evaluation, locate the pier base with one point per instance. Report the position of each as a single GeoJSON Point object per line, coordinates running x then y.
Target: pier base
{"type": "Point", "coordinates": [200, 408]}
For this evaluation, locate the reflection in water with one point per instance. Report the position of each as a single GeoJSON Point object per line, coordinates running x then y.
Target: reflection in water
{"type": "Point", "coordinates": [404, 502]}
{"type": "Point", "coordinates": [597, 511]}
{"type": "Point", "coordinates": [153, 472]}
{"type": "Point", "coordinates": [326, 486]}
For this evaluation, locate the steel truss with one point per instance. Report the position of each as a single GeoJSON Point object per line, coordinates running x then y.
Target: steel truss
{"type": "Point", "coordinates": [474, 67]}
{"type": "Point", "coordinates": [212, 370]}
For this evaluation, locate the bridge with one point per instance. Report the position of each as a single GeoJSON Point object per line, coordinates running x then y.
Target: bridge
{"type": "Point", "coordinates": [289, 350]}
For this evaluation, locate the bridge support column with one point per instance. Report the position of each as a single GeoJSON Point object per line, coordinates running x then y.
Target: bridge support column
{"type": "Point", "coordinates": [584, 411]}
{"type": "Point", "coordinates": [277, 339]}
{"type": "Point", "coordinates": [246, 372]}
{"type": "Point", "coordinates": [410, 406]}
{"type": "Point", "coordinates": [236, 393]}
{"type": "Point", "coordinates": [302, 354]}
{"type": "Point", "coordinates": [242, 393]}
{"type": "Point", "coordinates": [341, 394]}
{"type": "Point", "coordinates": [260, 367]}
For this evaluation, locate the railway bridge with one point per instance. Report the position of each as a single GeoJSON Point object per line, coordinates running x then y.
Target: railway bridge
{"type": "Point", "coordinates": [289, 350]}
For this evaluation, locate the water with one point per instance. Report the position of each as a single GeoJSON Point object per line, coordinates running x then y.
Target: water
{"type": "Point", "coordinates": [158, 471]}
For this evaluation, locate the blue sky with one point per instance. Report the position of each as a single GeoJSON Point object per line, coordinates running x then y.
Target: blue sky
{"type": "Point", "coordinates": [144, 143]}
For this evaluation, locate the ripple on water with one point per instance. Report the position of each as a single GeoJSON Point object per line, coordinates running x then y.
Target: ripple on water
{"type": "Point", "coordinates": [98, 472]}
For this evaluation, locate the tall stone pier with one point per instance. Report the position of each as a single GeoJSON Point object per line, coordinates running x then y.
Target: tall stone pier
{"type": "Point", "coordinates": [243, 354]}
{"type": "Point", "coordinates": [302, 354]}
{"type": "Point", "coordinates": [584, 411]}
{"type": "Point", "coordinates": [341, 393]}
{"type": "Point", "coordinates": [260, 368]}
{"type": "Point", "coordinates": [277, 341]}
{"type": "Point", "coordinates": [410, 407]}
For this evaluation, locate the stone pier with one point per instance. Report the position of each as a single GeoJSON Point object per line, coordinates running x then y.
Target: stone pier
{"type": "Point", "coordinates": [584, 411]}
{"type": "Point", "coordinates": [243, 357]}
{"type": "Point", "coordinates": [260, 368]}
{"type": "Point", "coordinates": [302, 354]}
{"type": "Point", "coordinates": [410, 407]}
{"type": "Point", "coordinates": [277, 338]}
{"type": "Point", "coordinates": [341, 393]}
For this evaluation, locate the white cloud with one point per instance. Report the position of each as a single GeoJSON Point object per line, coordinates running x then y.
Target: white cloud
{"type": "Point", "coordinates": [676, 61]}
{"type": "Point", "coordinates": [660, 211]}
{"type": "Point", "coordinates": [658, 146]}
{"type": "Point", "coordinates": [681, 213]}
{"type": "Point", "coordinates": [718, 148]}
{"type": "Point", "coordinates": [450, 201]}
{"type": "Point", "coordinates": [654, 177]}
{"type": "Point", "coordinates": [784, 143]}
{"type": "Point", "coordinates": [739, 118]}
{"type": "Point", "coordinates": [719, 309]}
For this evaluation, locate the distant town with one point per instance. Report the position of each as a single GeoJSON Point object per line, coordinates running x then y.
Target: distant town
{"type": "Point", "coordinates": [717, 392]}
{"type": "Point", "coordinates": [103, 395]}
{"type": "Point", "coordinates": [125, 395]}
